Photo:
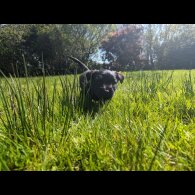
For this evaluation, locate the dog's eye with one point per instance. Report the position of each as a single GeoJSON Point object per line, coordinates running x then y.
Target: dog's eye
{"type": "Point", "coordinates": [114, 81]}
{"type": "Point", "coordinates": [98, 78]}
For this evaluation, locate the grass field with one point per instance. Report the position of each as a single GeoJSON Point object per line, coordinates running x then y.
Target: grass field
{"type": "Point", "coordinates": [148, 125]}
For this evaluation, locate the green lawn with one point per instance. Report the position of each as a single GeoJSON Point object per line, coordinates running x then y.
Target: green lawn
{"type": "Point", "coordinates": [148, 125]}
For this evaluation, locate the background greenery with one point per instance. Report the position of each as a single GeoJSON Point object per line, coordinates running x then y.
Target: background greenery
{"type": "Point", "coordinates": [122, 47]}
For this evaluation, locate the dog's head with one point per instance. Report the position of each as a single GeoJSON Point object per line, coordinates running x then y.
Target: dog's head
{"type": "Point", "coordinates": [100, 84]}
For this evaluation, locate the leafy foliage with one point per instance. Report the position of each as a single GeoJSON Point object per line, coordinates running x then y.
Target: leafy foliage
{"type": "Point", "coordinates": [48, 43]}
{"type": "Point", "coordinates": [169, 46]}
{"type": "Point", "coordinates": [124, 47]}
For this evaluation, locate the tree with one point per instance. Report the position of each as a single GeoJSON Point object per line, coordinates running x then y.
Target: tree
{"type": "Point", "coordinates": [10, 50]}
{"type": "Point", "coordinates": [39, 44]}
{"type": "Point", "coordinates": [174, 46]}
{"type": "Point", "coordinates": [123, 48]}
{"type": "Point", "coordinates": [52, 42]}
{"type": "Point", "coordinates": [83, 40]}
{"type": "Point", "coordinates": [169, 46]}
{"type": "Point", "coordinates": [181, 50]}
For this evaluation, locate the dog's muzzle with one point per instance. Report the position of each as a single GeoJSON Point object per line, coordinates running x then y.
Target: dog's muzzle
{"type": "Point", "coordinates": [105, 92]}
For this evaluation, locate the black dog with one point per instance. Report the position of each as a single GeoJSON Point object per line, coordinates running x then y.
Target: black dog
{"type": "Point", "coordinates": [98, 85]}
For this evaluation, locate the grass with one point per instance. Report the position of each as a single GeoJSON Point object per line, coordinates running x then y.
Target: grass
{"type": "Point", "coordinates": [148, 125]}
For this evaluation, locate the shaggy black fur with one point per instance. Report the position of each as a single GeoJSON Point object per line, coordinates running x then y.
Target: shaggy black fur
{"type": "Point", "coordinates": [98, 85]}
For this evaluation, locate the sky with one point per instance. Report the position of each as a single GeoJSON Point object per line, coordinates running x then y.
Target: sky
{"type": "Point", "coordinates": [97, 57]}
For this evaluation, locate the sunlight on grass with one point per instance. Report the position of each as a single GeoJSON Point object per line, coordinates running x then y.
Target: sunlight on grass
{"type": "Point", "coordinates": [148, 125]}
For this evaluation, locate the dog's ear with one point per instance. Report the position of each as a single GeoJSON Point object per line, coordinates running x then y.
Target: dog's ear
{"type": "Point", "coordinates": [119, 77]}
